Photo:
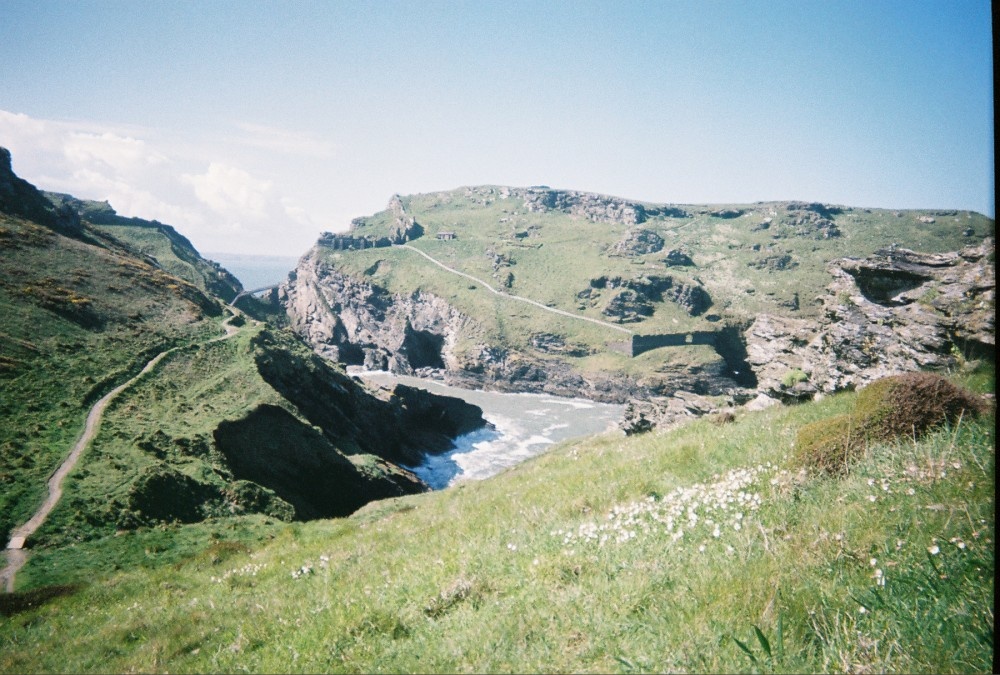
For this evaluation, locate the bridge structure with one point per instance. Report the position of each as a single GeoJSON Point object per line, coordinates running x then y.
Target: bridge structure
{"type": "Point", "coordinates": [254, 291]}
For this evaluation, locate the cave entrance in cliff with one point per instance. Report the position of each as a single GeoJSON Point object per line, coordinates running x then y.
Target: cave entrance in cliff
{"type": "Point", "coordinates": [423, 349]}
{"type": "Point", "coordinates": [351, 354]}
{"type": "Point", "coordinates": [731, 346]}
{"type": "Point", "coordinates": [884, 286]}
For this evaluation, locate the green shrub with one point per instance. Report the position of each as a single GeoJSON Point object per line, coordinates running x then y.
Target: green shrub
{"type": "Point", "coordinates": [907, 405]}
{"type": "Point", "coordinates": [793, 377]}
{"type": "Point", "coordinates": [828, 445]}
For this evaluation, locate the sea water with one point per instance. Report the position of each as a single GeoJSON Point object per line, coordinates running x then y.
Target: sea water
{"type": "Point", "coordinates": [256, 271]}
{"type": "Point", "coordinates": [523, 426]}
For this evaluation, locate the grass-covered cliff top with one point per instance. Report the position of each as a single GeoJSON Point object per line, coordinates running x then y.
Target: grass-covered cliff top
{"type": "Point", "coordinates": [551, 246]}
{"type": "Point", "coordinates": [673, 551]}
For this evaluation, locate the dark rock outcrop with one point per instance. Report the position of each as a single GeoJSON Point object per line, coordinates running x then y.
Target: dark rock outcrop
{"type": "Point", "coordinates": [404, 228]}
{"type": "Point", "coordinates": [634, 299]}
{"type": "Point", "coordinates": [666, 412]}
{"type": "Point", "coordinates": [20, 198]}
{"type": "Point", "coordinates": [677, 257]}
{"type": "Point", "coordinates": [272, 448]}
{"type": "Point", "coordinates": [811, 220]}
{"type": "Point", "coordinates": [598, 208]}
{"type": "Point", "coordinates": [628, 305]}
{"type": "Point", "coordinates": [774, 263]}
{"type": "Point", "coordinates": [693, 298]}
{"type": "Point", "coordinates": [400, 426]}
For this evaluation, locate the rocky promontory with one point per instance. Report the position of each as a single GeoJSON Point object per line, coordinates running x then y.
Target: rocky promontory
{"type": "Point", "coordinates": [894, 312]}
{"type": "Point", "coordinates": [739, 304]}
{"type": "Point", "coordinates": [356, 322]}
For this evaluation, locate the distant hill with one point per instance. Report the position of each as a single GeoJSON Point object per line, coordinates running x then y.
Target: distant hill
{"type": "Point", "coordinates": [171, 250]}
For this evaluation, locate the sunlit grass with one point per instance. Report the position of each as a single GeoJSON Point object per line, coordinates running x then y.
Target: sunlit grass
{"type": "Point", "coordinates": [886, 569]}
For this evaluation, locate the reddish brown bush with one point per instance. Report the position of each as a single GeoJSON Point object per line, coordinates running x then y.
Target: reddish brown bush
{"type": "Point", "coordinates": [907, 405]}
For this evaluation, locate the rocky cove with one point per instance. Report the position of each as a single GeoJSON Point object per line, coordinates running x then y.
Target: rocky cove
{"type": "Point", "coordinates": [520, 426]}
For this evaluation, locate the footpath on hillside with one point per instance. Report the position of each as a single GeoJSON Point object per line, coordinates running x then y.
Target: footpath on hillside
{"type": "Point", "coordinates": [16, 555]}
{"type": "Point", "coordinates": [518, 298]}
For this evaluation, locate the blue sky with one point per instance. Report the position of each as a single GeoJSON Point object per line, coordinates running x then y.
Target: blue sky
{"type": "Point", "coordinates": [253, 126]}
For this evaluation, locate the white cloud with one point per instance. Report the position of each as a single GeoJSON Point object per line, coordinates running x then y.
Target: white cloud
{"type": "Point", "coordinates": [195, 184]}
{"type": "Point", "coordinates": [232, 191]}
{"type": "Point", "coordinates": [296, 212]}
{"type": "Point", "coordinates": [116, 153]}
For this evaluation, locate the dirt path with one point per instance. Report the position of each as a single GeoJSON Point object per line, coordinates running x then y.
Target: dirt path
{"type": "Point", "coordinates": [16, 556]}
{"type": "Point", "coordinates": [495, 291]}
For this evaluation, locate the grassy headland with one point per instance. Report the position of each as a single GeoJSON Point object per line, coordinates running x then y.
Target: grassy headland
{"type": "Point", "coordinates": [81, 315]}
{"type": "Point", "coordinates": [672, 269]}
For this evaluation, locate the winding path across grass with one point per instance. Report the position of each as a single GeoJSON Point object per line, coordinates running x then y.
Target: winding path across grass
{"type": "Point", "coordinates": [16, 555]}
{"type": "Point", "coordinates": [518, 297]}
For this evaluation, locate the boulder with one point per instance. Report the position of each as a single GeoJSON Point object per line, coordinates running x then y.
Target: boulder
{"type": "Point", "coordinates": [637, 242]}
{"type": "Point", "coordinates": [678, 257]}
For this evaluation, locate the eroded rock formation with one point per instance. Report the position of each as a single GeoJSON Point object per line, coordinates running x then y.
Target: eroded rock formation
{"type": "Point", "coordinates": [894, 312]}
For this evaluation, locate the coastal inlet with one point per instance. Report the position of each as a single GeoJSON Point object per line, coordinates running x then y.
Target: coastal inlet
{"type": "Point", "coordinates": [523, 426]}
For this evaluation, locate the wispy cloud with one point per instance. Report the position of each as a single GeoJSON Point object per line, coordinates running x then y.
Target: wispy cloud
{"type": "Point", "coordinates": [284, 141]}
{"type": "Point", "coordinates": [229, 190]}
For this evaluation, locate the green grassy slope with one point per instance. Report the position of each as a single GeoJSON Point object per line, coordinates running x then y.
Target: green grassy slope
{"type": "Point", "coordinates": [663, 552]}
{"type": "Point", "coordinates": [760, 261]}
{"type": "Point", "coordinates": [170, 249]}
{"type": "Point", "coordinates": [81, 315]}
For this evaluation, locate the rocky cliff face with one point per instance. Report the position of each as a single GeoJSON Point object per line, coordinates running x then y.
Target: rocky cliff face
{"type": "Point", "coordinates": [20, 198]}
{"type": "Point", "coordinates": [356, 322]}
{"type": "Point", "coordinates": [894, 312]}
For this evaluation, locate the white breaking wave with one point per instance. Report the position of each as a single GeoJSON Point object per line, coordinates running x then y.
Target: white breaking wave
{"type": "Point", "coordinates": [524, 426]}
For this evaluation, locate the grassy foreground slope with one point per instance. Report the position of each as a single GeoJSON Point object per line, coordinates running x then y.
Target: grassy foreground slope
{"type": "Point", "coordinates": [699, 549]}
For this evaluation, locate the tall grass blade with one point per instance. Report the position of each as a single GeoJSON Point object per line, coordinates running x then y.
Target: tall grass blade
{"type": "Point", "coordinates": [746, 650]}
{"type": "Point", "coordinates": [781, 637]}
{"type": "Point", "coordinates": [765, 645]}
{"type": "Point", "coordinates": [625, 662]}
